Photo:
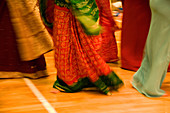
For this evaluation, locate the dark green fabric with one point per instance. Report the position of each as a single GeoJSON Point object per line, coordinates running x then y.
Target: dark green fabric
{"type": "Point", "coordinates": [43, 6]}
{"type": "Point", "coordinates": [82, 83]}
{"type": "Point", "coordinates": [102, 83]}
{"type": "Point", "coordinates": [63, 3]}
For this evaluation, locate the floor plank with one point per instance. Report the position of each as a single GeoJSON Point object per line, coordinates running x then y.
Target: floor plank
{"type": "Point", "coordinates": [16, 97]}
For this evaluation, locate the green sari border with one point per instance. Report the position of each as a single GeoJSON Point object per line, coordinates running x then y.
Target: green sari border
{"type": "Point", "coordinates": [102, 83]}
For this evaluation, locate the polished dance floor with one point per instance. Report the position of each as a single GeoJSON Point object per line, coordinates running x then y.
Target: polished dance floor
{"type": "Point", "coordinates": [34, 96]}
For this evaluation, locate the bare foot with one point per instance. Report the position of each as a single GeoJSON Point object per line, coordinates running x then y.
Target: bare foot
{"type": "Point", "coordinates": [55, 91]}
{"type": "Point", "coordinates": [109, 93]}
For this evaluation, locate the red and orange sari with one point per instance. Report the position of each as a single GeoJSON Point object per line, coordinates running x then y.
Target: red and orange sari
{"type": "Point", "coordinates": [77, 61]}
{"type": "Point", "coordinates": [108, 50]}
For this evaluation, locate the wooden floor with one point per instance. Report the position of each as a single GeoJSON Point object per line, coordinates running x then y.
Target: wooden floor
{"type": "Point", "coordinates": [17, 97]}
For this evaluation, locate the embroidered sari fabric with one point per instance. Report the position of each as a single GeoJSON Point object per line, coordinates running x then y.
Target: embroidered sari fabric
{"type": "Point", "coordinates": [11, 66]}
{"type": "Point", "coordinates": [77, 61]}
{"type": "Point", "coordinates": [108, 50]}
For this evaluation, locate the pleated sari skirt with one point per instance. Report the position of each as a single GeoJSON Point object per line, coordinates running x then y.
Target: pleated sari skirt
{"type": "Point", "coordinates": [77, 62]}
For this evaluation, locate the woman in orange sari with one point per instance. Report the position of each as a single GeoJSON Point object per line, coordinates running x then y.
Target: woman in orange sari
{"type": "Point", "coordinates": [76, 59]}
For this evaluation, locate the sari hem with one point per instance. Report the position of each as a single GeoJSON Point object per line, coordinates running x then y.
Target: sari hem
{"type": "Point", "coordinates": [102, 83]}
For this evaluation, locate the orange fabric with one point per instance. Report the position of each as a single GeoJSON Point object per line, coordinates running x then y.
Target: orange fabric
{"type": "Point", "coordinates": [75, 52]}
{"type": "Point", "coordinates": [108, 49]}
